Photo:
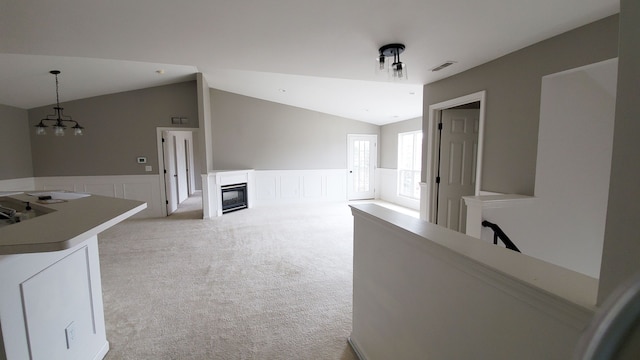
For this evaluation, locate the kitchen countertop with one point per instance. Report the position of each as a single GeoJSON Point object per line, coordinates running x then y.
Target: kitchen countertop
{"type": "Point", "coordinates": [70, 223]}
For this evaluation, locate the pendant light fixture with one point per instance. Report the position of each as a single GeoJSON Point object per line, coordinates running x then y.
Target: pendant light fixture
{"type": "Point", "coordinates": [397, 69]}
{"type": "Point", "coordinates": [59, 117]}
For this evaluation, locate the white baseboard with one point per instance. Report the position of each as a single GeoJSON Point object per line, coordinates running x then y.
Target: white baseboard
{"type": "Point", "coordinates": [133, 187]}
{"type": "Point", "coordinates": [276, 187]}
{"type": "Point", "coordinates": [355, 348]}
{"type": "Point", "coordinates": [103, 351]}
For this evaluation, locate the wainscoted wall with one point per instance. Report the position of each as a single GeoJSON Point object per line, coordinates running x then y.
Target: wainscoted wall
{"type": "Point", "coordinates": [17, 184]}
{"type": "Point", "coordinates": [272, 187]}
{"type": "Point", "coordinates": [387, 189]}
{"type": "Point", "coordinates": [134, 187]}
{"type": "Point", "coordinates": [275, 187]}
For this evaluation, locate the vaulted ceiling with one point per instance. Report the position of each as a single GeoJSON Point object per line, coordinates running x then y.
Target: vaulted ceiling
{"type": "Point", "coordinates": [318, 55]}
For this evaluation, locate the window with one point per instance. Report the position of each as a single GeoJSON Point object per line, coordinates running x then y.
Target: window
{"type": "Point", "coordinates": [409, 164]}
{"type": "Point", "coordinates": [361, 161]}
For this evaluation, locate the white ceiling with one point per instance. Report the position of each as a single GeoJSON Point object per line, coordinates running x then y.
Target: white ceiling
{"type": "Point", "coordinates": [318, 55]}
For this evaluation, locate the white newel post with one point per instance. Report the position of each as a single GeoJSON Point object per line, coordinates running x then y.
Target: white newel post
{"type": "Point", "coordinates": [474, 216]}
{"type": "Point", "coordinates": [477, 207]}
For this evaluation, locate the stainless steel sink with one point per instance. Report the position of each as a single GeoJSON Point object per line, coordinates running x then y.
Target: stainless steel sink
{"type": "Point", "coordinates": [8, 217]}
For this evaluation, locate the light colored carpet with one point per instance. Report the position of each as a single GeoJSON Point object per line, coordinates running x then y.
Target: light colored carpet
{"type": "Point", "coordinates": [266, 283]}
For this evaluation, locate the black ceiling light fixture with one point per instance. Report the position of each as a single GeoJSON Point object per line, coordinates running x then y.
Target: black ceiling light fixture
{"type": "Point", "coordinates": [397, 69]}
{"type": "Point", "coordinates": [59, 117]}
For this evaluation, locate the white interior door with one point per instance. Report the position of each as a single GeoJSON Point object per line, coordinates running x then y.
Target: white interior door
{"type": "Point", "coordinates": [170, 176]}
{"type": "Point", "coordinates": [456, 175]}
{"type": "Point", "coordinates": [362, 155]}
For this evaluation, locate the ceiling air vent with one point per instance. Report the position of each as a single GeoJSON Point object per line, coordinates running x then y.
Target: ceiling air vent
{"type": "Point", "coordinates": [442, 66]}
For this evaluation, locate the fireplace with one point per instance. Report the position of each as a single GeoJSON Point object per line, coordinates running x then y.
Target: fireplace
{"type": "Point", "coordinates": [215, 184]}
{"type": "Point", "coordinates": [234, 197]}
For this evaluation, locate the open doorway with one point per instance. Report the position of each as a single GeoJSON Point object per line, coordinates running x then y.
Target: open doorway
{"type": "Point", "coordinates": [176, 164]}
{"type": "Point", "coordinates": [454, 159]}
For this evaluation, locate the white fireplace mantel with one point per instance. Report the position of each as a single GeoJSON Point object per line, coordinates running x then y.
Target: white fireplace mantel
{"type": "Point", "coordinates": [211, 193]}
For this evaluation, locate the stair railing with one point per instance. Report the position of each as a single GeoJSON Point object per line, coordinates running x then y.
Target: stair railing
{"type": "Point", "coordinates": [499, 234]}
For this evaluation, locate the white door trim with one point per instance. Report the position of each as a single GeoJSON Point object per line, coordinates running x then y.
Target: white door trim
{"type": "Point", "coordinates": [170, 171]}
{"type": "Point", "coordinates": [159, 130]}
{"type": "Point", "coordinates": [434, 115]}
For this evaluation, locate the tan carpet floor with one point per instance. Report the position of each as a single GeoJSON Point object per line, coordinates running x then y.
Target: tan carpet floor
{"type": "Point", "coordinates": [265, 283]}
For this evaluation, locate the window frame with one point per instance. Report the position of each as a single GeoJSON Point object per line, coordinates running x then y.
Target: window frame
{"type": "Point", "coordinates": [416, 167]}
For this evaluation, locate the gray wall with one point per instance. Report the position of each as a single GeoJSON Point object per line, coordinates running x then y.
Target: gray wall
{"type": "Point", "coordinates": [513, 86]}
{"type": "Point", "coordinates": [389, 140]}
{"type": "Point", "coordinates": [15, 161]}
{"type": "Point", "coordinates": [118, 128]}
{"type": "Point", "coordinates": [621, 245]}
{"type": "Point", "coordinates": [257, 134]}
